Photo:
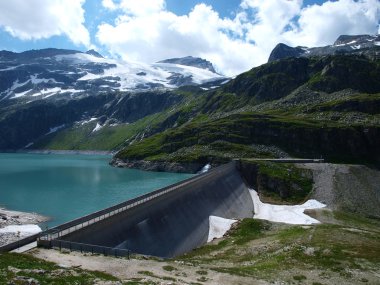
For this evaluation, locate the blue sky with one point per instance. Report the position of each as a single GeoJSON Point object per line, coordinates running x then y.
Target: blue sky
{"type": "Point", "coordinates": [234, 34]}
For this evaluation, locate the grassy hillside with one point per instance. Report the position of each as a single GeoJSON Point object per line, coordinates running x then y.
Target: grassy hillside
{"type": "Point", "coordinates": [343, 251]}
{"type": "Point", "coordinates": [297, 106]}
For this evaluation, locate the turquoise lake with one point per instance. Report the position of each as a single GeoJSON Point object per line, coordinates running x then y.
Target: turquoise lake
{"type": "Point", "coordinates": [65, 187]}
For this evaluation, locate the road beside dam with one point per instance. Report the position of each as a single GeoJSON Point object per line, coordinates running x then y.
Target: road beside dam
{"type": "Point", "coordinates": [176, 222]}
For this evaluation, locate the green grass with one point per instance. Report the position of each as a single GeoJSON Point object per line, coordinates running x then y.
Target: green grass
{"type": "Point", "coordinates": [108, 138]}
{"type": "Point", "coordinates": [169, 268]}
{"type": "Point", "coordinates": [247, 230]}
{"type": "Point", "coordinates": [282, 182]}
{"type": "Point", "coordinates": [299, 277]}
{"type": "Point", "coordinates": [151, 274]}
{"type": "Point", "coordinates": [333, 249]}
{"type": "Point", "coordinates": [219, 140]}
{"type": "Point", "coordinates": [15, 266]}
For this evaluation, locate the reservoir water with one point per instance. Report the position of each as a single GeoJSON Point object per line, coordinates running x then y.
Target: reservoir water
{"type": "Point", "coordinates": [65, 187]}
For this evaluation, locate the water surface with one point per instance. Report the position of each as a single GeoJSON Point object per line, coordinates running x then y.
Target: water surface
{"type": "Point", "coordinates": [67, 186]}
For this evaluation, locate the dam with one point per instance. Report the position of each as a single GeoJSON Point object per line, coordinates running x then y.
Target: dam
{"type": "Point", "coordinates": [164, 223]}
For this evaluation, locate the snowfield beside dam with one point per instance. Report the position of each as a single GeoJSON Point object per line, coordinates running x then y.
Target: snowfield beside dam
{"type": "Point", "coordinates": [284, 213]}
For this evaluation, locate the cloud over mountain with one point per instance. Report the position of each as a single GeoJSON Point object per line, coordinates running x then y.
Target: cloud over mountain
{"type": "Point", "coordinates": [149, 32]}
{"type": "Point", "coordinates": [146, 30]}
{"type": "Point", "coordinates": [41, 19]}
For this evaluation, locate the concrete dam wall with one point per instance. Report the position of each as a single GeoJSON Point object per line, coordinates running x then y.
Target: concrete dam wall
{"type": "Point", "coordinates": [175, 222]}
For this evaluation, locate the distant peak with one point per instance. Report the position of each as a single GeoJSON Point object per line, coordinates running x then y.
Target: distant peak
{"type": "Point", "coordinates": [283, 51]}
{"type": "Point", "coordinates": [94, 53]}
{"type": "Point", "coordinates": [348, 39]}
{"type": "Point", "coordinates": [191, 61]}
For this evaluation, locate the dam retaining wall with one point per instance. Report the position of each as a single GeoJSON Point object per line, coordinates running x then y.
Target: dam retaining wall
{"type": "Point", "coordinates": [177, 221]}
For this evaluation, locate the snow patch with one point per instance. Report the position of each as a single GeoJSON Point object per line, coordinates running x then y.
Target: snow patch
{"type": "Point", "coordinates": [21, 94]}
{"type": "Point", "coordinates": [70, 90]}
{"type": "Point", "coordinates": [35, 80]}
{"type": "Point", "coordinates": [22, 230]}
{"type": "Point", "coordinates": [97, 128]}
{"type": "Point", "coordinates": [377, 43]}
{"type": "Point", "coordinates": [80, 58]}
{"type": "Point", "coordinates": [55, 129]}
{"type": "Point", "coordinates": [284, 213]}
{"type": "Point", "coordinates": [88, 121]}
{"type": "Point", "coordinates": [218, 227]}
{"type": "Point", "coordinates": [29, 145]}
{"type": "Point", "coordinates": [345, 44]}
{"type": "Point", "coordinates": [12, 67]}
{"type": "Point", "coordinates": [205, 168]}
{"type": "Point", "coordinates": [199, 75]}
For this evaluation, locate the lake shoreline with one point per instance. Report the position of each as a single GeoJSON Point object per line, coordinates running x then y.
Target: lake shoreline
{"type": "Point", "coordinates": [48, 151]}
{"type": "Point", "coordinates": [9, 218]}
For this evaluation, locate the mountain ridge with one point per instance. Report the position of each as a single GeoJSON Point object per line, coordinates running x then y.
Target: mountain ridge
{"type": "Point", "coordinates": [368, 45]}
{"type": "Point", "coordinates": [38, 74]}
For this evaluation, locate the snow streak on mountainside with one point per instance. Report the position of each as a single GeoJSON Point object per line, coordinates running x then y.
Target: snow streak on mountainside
{"type": "Point", "coordinates": [44, 73]}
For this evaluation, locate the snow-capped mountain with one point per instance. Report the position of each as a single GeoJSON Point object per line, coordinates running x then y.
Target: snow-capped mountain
{"type": "Point", "coordinates": [368, 45]}
{"type": "Point", "coordinates": [191, 61]}
{"type": "Point", "coordinates": [44, 73]}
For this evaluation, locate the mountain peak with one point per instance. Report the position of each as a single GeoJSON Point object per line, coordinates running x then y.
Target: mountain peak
{"type": "Point", "coordinates": [94, 53]}
{"type": "Point", "coordinates": [282, 51]}
{"type": "Point", "coordinates": [191, 61]}
{"type": "Point", "coordinates": [350, 39]}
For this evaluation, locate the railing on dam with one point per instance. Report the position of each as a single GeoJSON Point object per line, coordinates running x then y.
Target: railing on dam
{"type": "Point", "coordinates": [77, 224]}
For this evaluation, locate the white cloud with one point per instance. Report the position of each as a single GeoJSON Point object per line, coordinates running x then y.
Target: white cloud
{"type": "Point", "coordinates": [142, 7]}
{"type": "Point", "coordinates": [109, 4]}
{"type": "Point", "coordinates": [146, 31]}
{"type": "Point", "coordinates": [160, 34]}
{"type": "Point", "coordinates": [322, 24]}
{"type": "Point", "coordinates": [133, 7]}
{"type": "Point", "coordinates": [41, 19]}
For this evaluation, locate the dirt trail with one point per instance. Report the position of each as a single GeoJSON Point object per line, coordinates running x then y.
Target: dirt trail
{"type": "Point", "coordinates": [146, 270]}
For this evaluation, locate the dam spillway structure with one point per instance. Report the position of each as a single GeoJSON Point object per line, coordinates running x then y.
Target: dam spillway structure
{"type": "Point", "coordinates": [164, 223]}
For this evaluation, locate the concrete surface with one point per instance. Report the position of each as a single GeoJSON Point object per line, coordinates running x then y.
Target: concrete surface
{"type": "Point", "coordinates": [176, 222]}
